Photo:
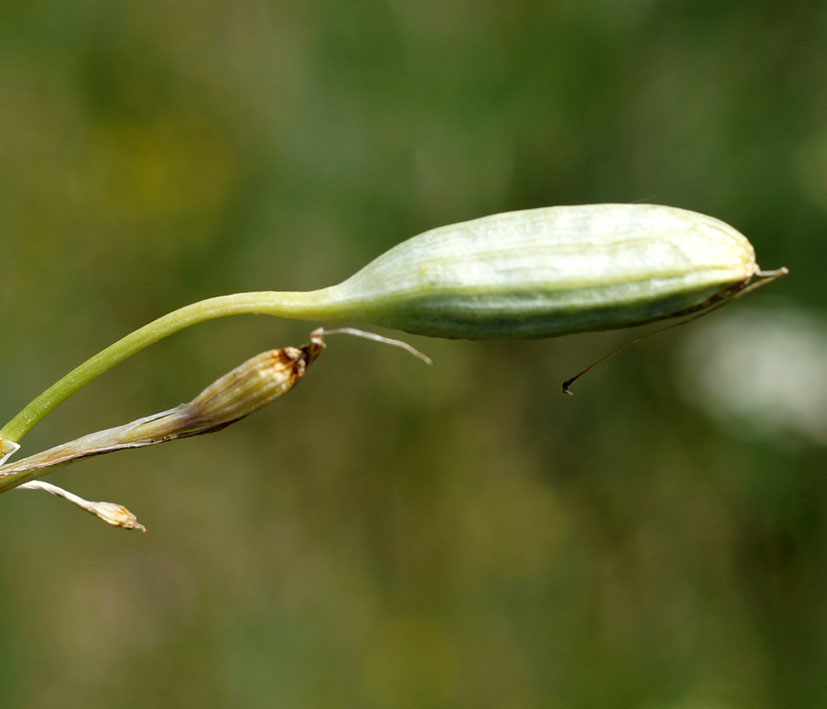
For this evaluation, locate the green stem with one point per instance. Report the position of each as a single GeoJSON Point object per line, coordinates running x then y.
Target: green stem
{"type": "Point", "coordinates": [313, 305]}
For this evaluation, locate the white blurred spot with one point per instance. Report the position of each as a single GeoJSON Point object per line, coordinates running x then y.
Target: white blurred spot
{"type": "Point", "coordinates": [763, 368]}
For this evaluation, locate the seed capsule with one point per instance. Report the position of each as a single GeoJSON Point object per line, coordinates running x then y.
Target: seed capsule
{"type": "Point", "coordinates": [548, 272]}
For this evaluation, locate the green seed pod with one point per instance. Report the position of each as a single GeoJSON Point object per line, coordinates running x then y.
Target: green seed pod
{"type": "Point", "coordinates": [534, 273]}
{"type": "Point", "coordinates": [548, 272]}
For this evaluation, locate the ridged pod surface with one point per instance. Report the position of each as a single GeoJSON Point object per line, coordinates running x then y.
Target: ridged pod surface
{"type": "Point", "coordinates": [548, 272]}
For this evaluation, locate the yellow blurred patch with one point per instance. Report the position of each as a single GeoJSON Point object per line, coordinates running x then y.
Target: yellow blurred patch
{"type": "Point", "coordinates": [172, 167]}
{"type": "Point", "coordinates": [411, 662]}
{"type": "Point", "coordinates": [513, 527]}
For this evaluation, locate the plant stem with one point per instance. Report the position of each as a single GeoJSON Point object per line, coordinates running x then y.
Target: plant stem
{"type": "Point", "coordinates": [313, 305]}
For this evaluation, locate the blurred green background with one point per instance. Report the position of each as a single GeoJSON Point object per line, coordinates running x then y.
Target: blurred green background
{"type": "Point", "coordinates": [392, 535]}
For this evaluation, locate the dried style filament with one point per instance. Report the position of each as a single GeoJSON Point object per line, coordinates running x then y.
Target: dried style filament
{"type": "Point", "coordinates": [765, 276]}
{"type": "Point", "coordinates": [364, 334]}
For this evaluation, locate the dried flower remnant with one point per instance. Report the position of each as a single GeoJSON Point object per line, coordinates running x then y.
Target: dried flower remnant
{"type": "Point", "coordinates": [110, 512]}
{"type": "Point", "coordinates": [247, 388]}
{"type": "Point", "coordinates": [230, 398]}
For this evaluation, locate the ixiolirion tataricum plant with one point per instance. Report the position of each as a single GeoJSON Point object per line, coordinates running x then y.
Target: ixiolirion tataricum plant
{"type": "Point", "coordinates": [533, 274]}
